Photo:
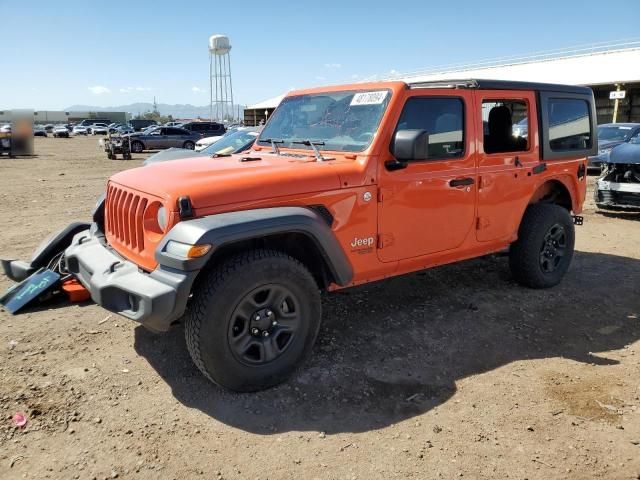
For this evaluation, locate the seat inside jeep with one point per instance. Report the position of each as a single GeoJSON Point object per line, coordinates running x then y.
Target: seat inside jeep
{"type": "Point", "coordinates": [500, 138]}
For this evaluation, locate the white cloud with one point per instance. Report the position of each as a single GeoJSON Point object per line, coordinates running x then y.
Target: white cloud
{"type": "Point", "coordinates": [355, 75]}
{"type": "Point", "coordinates": [196, 89]}
{"type": "Point", "coordinates": [320, 77]}
{"type": "Point", "coordinates": [393, 71]}
{"type": "Point", "coordinates": [333, 65]}
{"type": "Point", "coordinates": [134, 89]}
{"type": "Point", "coordinates": [99, 90]}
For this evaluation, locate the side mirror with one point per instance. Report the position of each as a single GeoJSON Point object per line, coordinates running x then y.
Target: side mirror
{"type": "Point", "coordinates": [410, 145]}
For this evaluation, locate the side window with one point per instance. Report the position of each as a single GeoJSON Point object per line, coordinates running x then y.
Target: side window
{"type": "Point", "coordinates": [442, 118]}
{"type": "Point", "coordinates": [506, 126]}
{"type": "Point", "coordinates": [569, 125]}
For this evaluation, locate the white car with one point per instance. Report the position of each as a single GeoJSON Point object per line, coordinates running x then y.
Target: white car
{"type": "Point", "coordinates": [205, 142]}
{"type": "Point", "coordinates": [98, 128]}
{"type": "Point", "coordinates": [79, 130]}
{"type": "Point", "coordinates": [60, 132]}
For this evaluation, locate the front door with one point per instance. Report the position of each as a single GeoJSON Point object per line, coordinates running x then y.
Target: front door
{"type": "Point", "coordinates": [429, 206]}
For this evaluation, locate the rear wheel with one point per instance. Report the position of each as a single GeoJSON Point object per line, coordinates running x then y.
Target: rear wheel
{"type": "Point", "coordinates": [137, 147]}
{"type": "Point", "coordinates": [544, 249]}
{"type": "Point", "coordinates": [253, 319]}
{"type": "Point", "coordinates": [189, 145]}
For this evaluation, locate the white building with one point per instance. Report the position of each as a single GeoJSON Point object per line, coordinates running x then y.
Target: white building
{"type": "Point", "coordinates": [603, 67]}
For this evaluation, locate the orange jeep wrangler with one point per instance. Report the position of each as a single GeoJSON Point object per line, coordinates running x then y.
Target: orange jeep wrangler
{"type": "Point", "coordinates": [345, 185]}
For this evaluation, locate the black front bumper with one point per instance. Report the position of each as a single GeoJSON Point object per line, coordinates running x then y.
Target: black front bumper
{"type": "Point", "coordinates": [155, 299]}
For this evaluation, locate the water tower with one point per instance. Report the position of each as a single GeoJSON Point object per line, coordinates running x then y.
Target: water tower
{"type": "Point", "coordinates": [221, 96]}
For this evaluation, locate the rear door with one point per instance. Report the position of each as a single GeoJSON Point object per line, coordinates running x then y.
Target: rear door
{"type": "Point", "coordinates": [504, 154]}
{"type": "Point", "coordinates": [429, 206]}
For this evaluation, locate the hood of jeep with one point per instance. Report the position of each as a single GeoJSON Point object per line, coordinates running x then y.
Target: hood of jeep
{"type": "Point", "coordinates": [211, 182]}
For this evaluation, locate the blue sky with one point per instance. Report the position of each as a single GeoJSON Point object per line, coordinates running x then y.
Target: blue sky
{"type": "Point", "coordinates": [59, 53]}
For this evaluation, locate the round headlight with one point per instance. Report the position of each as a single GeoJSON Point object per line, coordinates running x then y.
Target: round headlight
{"type": "Point", "coordinates": [162, 218]}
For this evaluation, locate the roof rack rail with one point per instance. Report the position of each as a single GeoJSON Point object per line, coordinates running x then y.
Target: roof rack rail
{"type": "Point", "coordinates": [445, 84]}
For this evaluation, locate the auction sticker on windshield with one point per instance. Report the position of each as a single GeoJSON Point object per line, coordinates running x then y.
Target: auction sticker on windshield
{"type": "Point", "coordinates": [369, 98]}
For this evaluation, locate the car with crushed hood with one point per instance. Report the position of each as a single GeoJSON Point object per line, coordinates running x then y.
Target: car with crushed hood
{"type": "Point", "coordinates": [618, 187]}
{"type": "Point", "coordinates": [610, 135]}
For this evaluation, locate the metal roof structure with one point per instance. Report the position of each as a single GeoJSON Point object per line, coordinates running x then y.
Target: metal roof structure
{"type": "Point", "coordinates": [595, 64]}
{"type": "Point", "coordinates": [600, 65]}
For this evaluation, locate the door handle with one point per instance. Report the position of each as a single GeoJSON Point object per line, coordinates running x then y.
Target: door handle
{"type": "Point", "coordinates": [461, 182]}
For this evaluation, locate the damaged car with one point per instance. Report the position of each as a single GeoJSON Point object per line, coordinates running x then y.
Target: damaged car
{"type": "Point", "coordinates": [618, 187]}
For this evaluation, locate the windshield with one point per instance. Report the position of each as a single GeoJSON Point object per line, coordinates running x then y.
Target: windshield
{"type": "Point", "coordinates": [613, 133]}
{"type": "Point", "coordinates": [233, 143]}
{"type": "Point", "coordinates": [342, 121]}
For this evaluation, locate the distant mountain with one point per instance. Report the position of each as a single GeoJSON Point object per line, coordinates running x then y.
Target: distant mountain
{"type": "Point", "coordinates": [176, 111]}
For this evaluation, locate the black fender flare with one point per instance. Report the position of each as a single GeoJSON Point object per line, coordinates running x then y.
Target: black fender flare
{"type": "Point", "coordinates": [232, 227]}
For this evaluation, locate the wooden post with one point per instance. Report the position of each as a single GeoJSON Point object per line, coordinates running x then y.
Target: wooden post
{"type": "Point", "coordinates": [615, 105]}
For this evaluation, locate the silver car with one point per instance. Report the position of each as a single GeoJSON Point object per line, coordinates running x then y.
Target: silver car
{"type": "Point", "coordinates": [157, 138]}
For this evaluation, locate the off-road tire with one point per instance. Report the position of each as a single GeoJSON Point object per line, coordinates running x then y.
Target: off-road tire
{"type": "Point", "coordinates": [210, 318]}
{"type": "Point", "coordinates": [137, 147]}
{"type": "Point", "coordinates": [525, 255]}
{"type": "Point", "coordinates": [189, 145]}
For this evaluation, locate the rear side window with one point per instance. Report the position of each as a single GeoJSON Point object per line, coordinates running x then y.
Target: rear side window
{"type": "Point", "coordinates": [569, 125]}
{"type": "Point", "coordinates": [442, 118]}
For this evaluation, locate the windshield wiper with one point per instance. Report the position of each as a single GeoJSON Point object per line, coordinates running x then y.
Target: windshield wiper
{"type": "Point", "coordinates": [313, 145]}
{"type": "Point", "coordinates": [274, 144]}
{"type": "Point", "coordinates": [220, 155]}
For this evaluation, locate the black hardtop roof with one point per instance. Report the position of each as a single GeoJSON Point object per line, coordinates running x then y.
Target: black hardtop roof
{"type": "Point", "coordinates": [485, 84]}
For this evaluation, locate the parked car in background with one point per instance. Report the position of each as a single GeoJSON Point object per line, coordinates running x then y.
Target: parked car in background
{"type": "Point", "coordinates": [235, 142]}
{"type": "Point", "coordinates": [38, 131]}
{"type": "Point", "coordinates": [618, 187]}
{"type": "Point", "coordinates": [162, 137]}
{"type": "Point", "coordinates": [92, 121]}
{"type": "Point", "coordinates": [49, 128]}
{"type": "Point", "coordinates": [119, 127]}
{"type": "Point", "coordinates": [79, 130]}
{"type": "Point", "coordinates": [61, 132]}
{"type": "Point", "coordinates": [124, 129]}
{"type": "Point", "coordinates": [205, 142]}
{"type": "Point", "coordinates": [205, 129]}
{"type": "Point", "coordinates": [140, 124]}
{"type": "Point", "coordinates": [98, 129]}
{"type": "Point", "coordinates": [173, 124]}
{"type": "Point", "coordinates": [611, 135]}
{"type": "Point", "coordinates": [6, 128]}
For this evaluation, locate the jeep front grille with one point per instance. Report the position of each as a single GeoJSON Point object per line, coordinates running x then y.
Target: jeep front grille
{"type": "Point", "coordinates": [124, 217]}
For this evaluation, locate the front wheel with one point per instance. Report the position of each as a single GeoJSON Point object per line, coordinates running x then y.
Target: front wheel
{"type": "Point", "coordinates": [137, 147]}
{"type": "Point", "coordinates": [253, 320]}
{"type": "Point", "coordinates": [544, 249]}
{"type": "Point", "coordinates": [189, 145]}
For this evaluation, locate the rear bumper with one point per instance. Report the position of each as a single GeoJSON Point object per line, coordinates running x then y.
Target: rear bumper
{"type": "Point", "coordinates": [154, 299]}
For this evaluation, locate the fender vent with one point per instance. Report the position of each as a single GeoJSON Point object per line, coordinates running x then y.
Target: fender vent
{"type": "Point", "coordinates": [323, 212]}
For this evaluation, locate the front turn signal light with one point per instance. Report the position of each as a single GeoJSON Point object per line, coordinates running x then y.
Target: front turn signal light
{"type": "Point", "coordinates": [185, 250]}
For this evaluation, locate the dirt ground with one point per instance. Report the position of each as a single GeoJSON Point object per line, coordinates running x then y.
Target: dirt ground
{"type": "Point", "coordinates": [456, 372]}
